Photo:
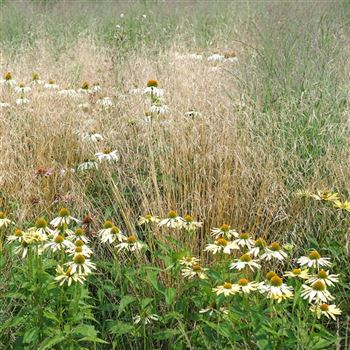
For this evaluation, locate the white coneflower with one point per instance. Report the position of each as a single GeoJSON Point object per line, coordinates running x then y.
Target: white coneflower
{"type": "Point", "coordinates": [63, 218]}
{"type": "Point", "coordinates": [87, 165]}
{"type": "Point", "coordinates": [105, 102]}
{"type": "Point", "coordinates": [22, 89]}
{"type": "Point", "coordinates": [22, 101]}
{"type": "Point", "coordinates": [42, 227]}
{"type": "Point", "coordinates": [314, 260]}
{"type": "Point", "coordinates": [68, 93]}
{"type": "Point", "coordinates": [226, 289]}
{"type": "Point", "coordinates": [212, 309]}
{"type": "Point", "coordinates": [245, 261]}
{"type": "Point", "coordinates": [67, 276]}
{"type": "Point", "coordinates": [8, 81]}
{"type": "Point", "coordinates": [145, 319]}
{"type": "Point", "coordinates": [259, 247]}
{"type": "Point", "coordinates": [16, 236]}
{"type": "Point", "coordinates": [172, 220]}
{"type": "Point", "coordinates": [51, 85]}
{"type": "Point", "coordinates": [4, 221]}
{"type": "Point", "coordinates": [195, 270]}
{"type": "Point", "coordinates": [330, 311]}
{"type": "Point", "coordinates": [93, 136]}
{"type": "Point", "coordinates": [221, 245]}
{"type": "Point", "coordinates": [136, 91]}
{"type": "Point", "coordinates": [95, 89]}
{"type": "Point", "coordinates": [84, 106]}
{"type": "Point", "coordinates": [316, 293]}
{"type": "Point", "coordinates": [78, 234]}
{"type": "Point", "coordinates": [298, 273]}
{"type": "Point", "coordinates": [131, 244]}
{"type": "Point", "coordinates": [148, 219]}
{"type": "Point", "coordinates": [188, 261]}
{"type": "Point", "coordinates": [274, 250]}
{"type": "Point", "coordinates": [36, 80]}
{"type": "Point", "coordinates": [84, 88]}
{"type": "Point", "coordinates": [224, 231]}
{"type": "Point", "coordinates": [190, 225]}
{"type": "Point", "coordinates": [110, 233]}
{"type": "Point", "coordinates": [324, 277]}
{"type": "Point", "coordinates": [22, 250]}
{"type": "Point", "coordinates": [107, 155]}
{"type": "Point", "coordinates": [81, 265]}
{"type": "Point", "coordinates": [216, 57]}
{"type": "Point", "coordinates": [192, 114]}
{"type": "Point", "coordinates": [58, 243]}
{"type": "Point", "coordinates": [80, 248]}
{"type": "Point", "coordinates": [244, 286]}
{"type": "Point", "coordinates": [326, 196]}
{"type": "Point", "coordinates": [244, 240]}
{"type": "Point", "coordinates": [159, 109]}
{"type": "Point", "coordinates": [4, 105]}
{"type": "Point", "coordinates": [276, 289]}
{"type": "Point", "coordinates": [153, 89]}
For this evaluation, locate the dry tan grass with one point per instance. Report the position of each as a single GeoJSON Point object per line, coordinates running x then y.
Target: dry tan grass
{"type": "Point", "coordinates": [212, 167]}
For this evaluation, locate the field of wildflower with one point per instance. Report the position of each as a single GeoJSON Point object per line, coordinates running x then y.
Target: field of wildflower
{"type": "Point", "coordinates": [174, 175]}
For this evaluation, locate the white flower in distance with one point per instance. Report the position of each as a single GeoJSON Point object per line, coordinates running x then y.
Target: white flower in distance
{"type": "Point", "coordinates": [216, 58]}
{"type": "Point", "coordinates": [324, 277]}
{"type": "Point", "coordinates": [147, 219]}
{"type": "Point", "coordinates": [244, 286]}
{"type": "Point", "coordinates": [105, 102]}
{"type": "Point", "coordinates": [22, 89]}
{"type": "Point", "coordinates": [195, 270]}
{"type": "Point", "coordinates": [22, 101]}
{"type": "Point", "coordinates": [226, 289]}
{"type": "Point", "coordinates": [107, 155]}
{"type": "Point", "coordinates": [192, 114]}
{"type": "Point", "coordinates": [16, 236]}
{"type": "Point", "coordinates": [146, 319]}
{"type": "Point", "coordinates": [159, 109]}
{"type": "Point", "coordinates": [81, 265]}
{"type": "Point", "coordinates": [58, 243]}
{"type": "Point", "coordinates": [258, 248]}
{"type": "Point", "coordinates": [190, 225]}
{"type": "Point", "coordinates": [245, 261]}
{"type": "Point", "coordinates": [188, 261]}
{"type": "Point", "coordinates": [276, 289]}
{"type": "Point", "coordinates": [212, 309]}
{"type": "Point", "coordinates": [95, 89]}
{"type": "Point", "coordinates": [153, 91]}
{"type": "Point", "coordinates": [51, 85]}
{"type": "Point", "coordinates": [68, 93]}
{"type": "Point", "coordinates": [94, 137]}
{"type": "Point", "coordinates": [4, 221]}
{"type": "Point", "coordinates": [225, 231]}
{"type": "Point", "coordinates": [317, 293]}
{"type": "Point", "coordinates": [330, 311]}
{"type": "Point", "coordinates": [274, 251]}
{"type": "Point", "coordinates": [66, 276]}
{"type": "Point", "coordinates": [63, 218]}
{"type": "Point", "coordinates": [36, 80]}
{"type": "Point", "coordinates": [87, 165]}
{"type": "Point", "coordinates": [221, 245]}
{"type": "Point", "coordinates": [110, 233]}
{"type": "Point", "coordinates": [8, 81]}
{"type": "Point", "coordinates": [78, 235]}
{"type": "Point", "coordinates": [131, 244]}
{"type": "Point", "coordinates": [244, 240]}
{"type": "Point", "coordinates": [80, 248]}
{"type": "Point", "coordinates": [172, 220]}
{"type": "Point", "coordinates": [4, 105]}
{"type": "Point", "coordinates": [298, 273]}
{"type": "Point", "coordinates": [314, 259]}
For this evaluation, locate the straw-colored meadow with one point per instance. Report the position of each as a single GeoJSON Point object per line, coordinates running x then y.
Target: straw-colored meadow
{"type": "Point", "coordinates": [174, 175]}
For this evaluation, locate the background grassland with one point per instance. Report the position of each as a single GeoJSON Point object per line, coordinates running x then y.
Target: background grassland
{"type": "Point", "coordinates": [275, 123]}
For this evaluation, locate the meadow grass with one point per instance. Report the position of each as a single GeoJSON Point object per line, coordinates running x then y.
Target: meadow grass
{"type": "Point", "coordinates": [271, 124]}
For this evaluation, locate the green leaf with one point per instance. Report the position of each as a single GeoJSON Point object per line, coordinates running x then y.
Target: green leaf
{"type": "Point", "coordinates": [31, 335]}
{"type": "Point", "coordinates": [120, 328]}
{"type": "Point", "coordinates": [49, 342]}
{"type": "Point", "coordinates": [124, 302]}
{"type": "Point", "coordinates": [170, 295]}
{"type": "Point", "coordinates": [85, 330]}
{"type": "Point", "coordinates": [167, 334]}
